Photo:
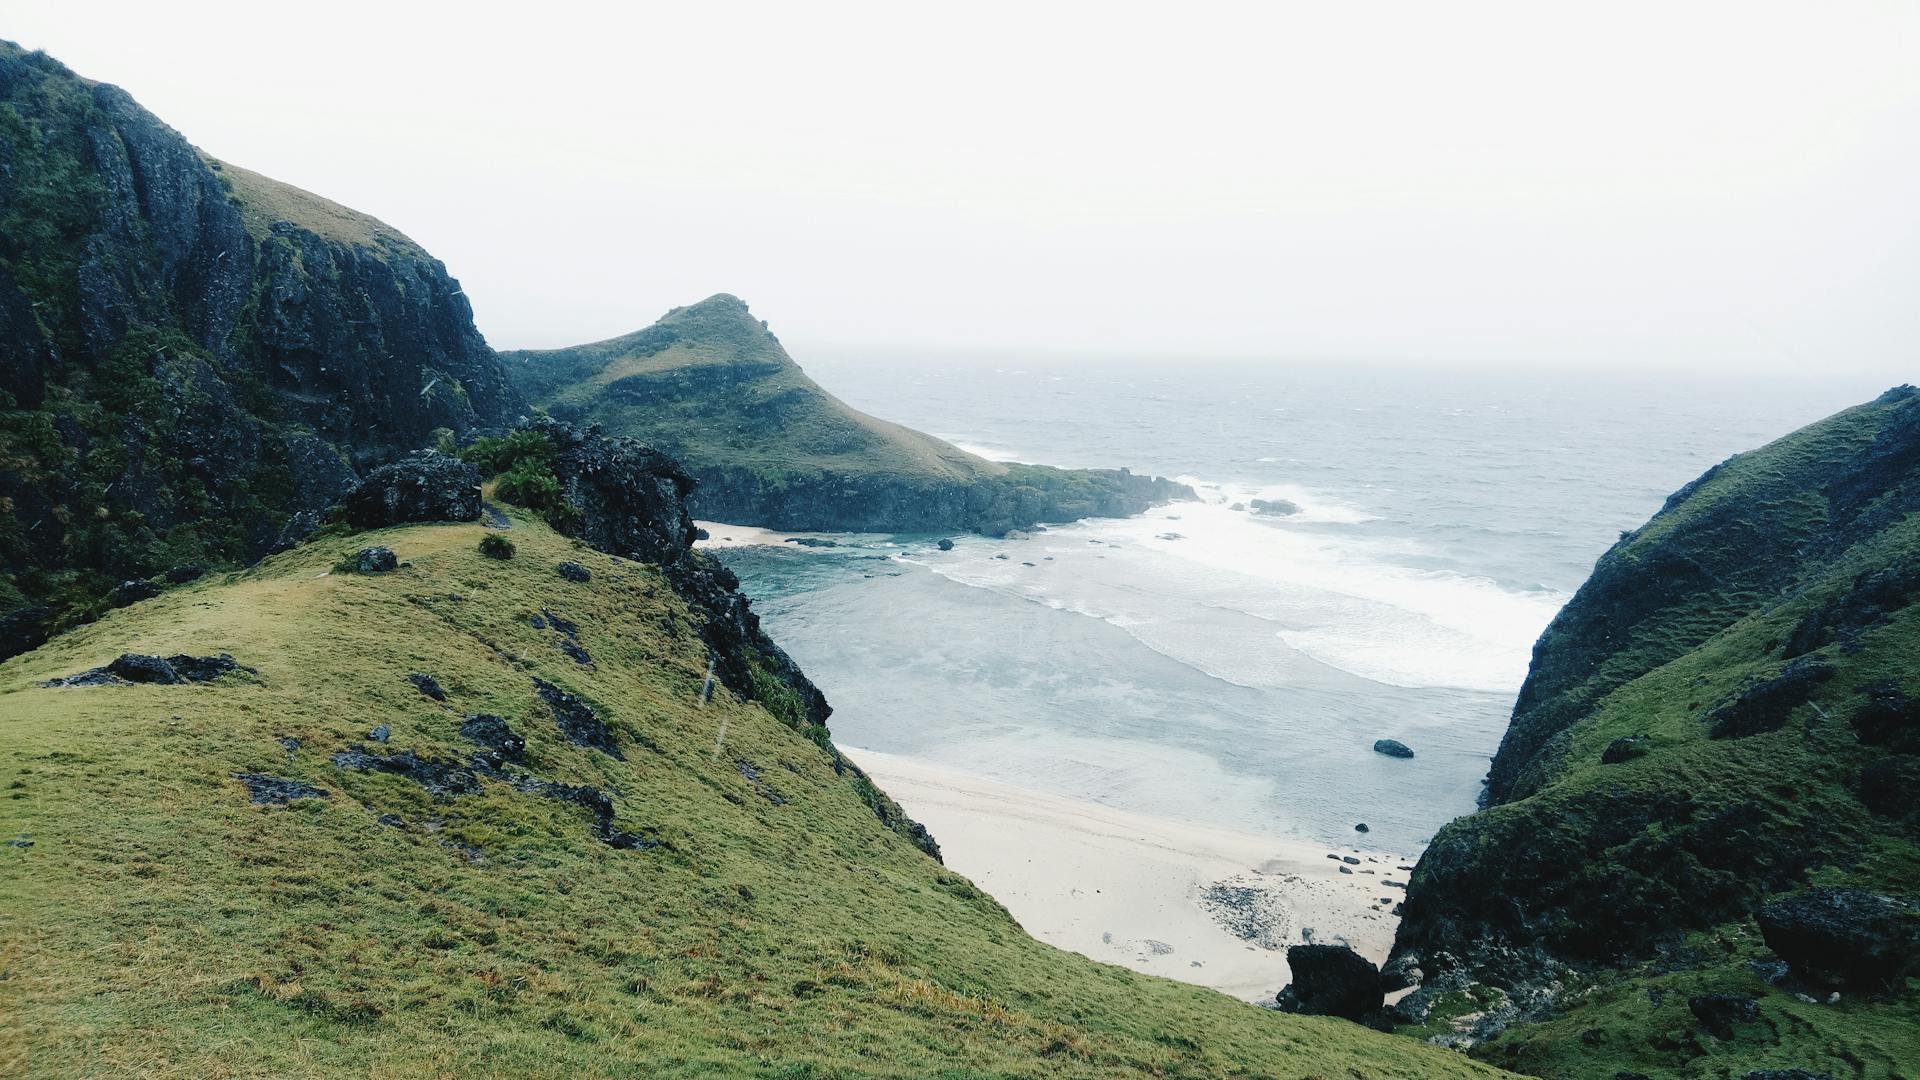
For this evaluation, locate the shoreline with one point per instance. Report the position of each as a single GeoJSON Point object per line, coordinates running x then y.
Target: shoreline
{"type": "Point", "coordinates": [1197, 903]}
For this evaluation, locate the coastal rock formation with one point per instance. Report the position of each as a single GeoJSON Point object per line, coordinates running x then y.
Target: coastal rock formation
{"type": "Point", "coordinates": [711, 386]}
{"type": "Point", "coordinates": [1685, 753]}
{"type": "Point", "coordinates": [195, 353]}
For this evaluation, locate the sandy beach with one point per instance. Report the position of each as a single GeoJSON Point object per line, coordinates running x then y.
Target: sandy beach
{"type": "Point", "coordinates": [722, 535]}
{"type": "Point", "coordinates": [1190, 902]}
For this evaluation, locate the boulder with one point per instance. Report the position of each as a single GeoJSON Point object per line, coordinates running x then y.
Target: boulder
{"type": "Point", "coordinates": [1392, 748]}
{"type": "Point", "coordinates": [1280, 507]}
{"type": "Point", "coordinates": [134, 667]}
{"type": "Point", "coordinates": [1847, 937]}
{"type": "Point", "coordinates": [1627, 749]}
{"type": "Point", "coordinates": [426, 485]}
{"type": "Point", "coordinates": [132, 591]}
{"type": "Point", "coordinates": [180, 575]}
{"type": "Point", "coordinates": [1722, 1013]}
{"type": "Point", "coordinates": [1889, 718]}
{"type": "Point", "coordinates": [574, 572]}
{"type": "Point", "coordinates": [1331, 980]}
{"type": "Point", "coordinates": [427, 685]}
{"type": "Point", "coordinates": [945, 544]}
{"type": "Point", "coordinates": [375, 560]}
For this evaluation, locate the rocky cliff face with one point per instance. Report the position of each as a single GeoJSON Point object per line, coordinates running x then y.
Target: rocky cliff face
{"type": "Point", "coordinates": [194, 352]}
{"type": "Point", "coordinates": [710, 385]}
{"type": "Point", "coordinates": [1722, 718]}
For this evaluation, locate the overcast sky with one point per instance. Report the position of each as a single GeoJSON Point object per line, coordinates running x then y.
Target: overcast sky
{"type": "Point", "coordinates": [1712, 186]}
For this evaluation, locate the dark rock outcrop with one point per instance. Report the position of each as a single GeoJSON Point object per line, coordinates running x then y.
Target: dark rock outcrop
{"type": "Point", "coordinates": [1392, 748]}
{"type": "Point", "coordinates": [1331, 980]}
{"type": "Point", "coordinates": [1844, 937]}
{"type": "Point", "coordinates": [426, 485]}
{"type": "Point", "coordinates": [574, 572]}
{"type": "Point", "coordinates": [132, 592]}
{"type": "Point", "coordinates": [577, 720]}
{"type": "Point", "coordinates": [1720, 1014]}
{"type": "Point", "coordinates": [375, 560]}
{"type": "Point", "coordinates": [427, 685]}
{"type": "Point", "coordinates": [277, 789]}
{"type": "Point", "coordinates": [1626, 749]}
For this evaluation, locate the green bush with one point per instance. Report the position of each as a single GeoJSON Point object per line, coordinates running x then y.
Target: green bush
{"type": "Point", "coordinates": [495, 546]}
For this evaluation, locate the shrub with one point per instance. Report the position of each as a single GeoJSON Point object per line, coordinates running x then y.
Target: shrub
{"type": "Point", "coordinates": [495, 546]}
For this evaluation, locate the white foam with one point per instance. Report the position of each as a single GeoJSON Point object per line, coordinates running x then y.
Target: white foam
{"type": "Point", "coordinates": [1267, 600]}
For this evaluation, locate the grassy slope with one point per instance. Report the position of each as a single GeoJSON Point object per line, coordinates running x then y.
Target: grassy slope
{"type": "Point", "coordinates": [161, 924]}
{"type": "Point", "coordinates": [710, 385]}
{"type": "Point", "coordinates": [1693, 835]}
{"type": "Point", "coordinates": [264, 200]}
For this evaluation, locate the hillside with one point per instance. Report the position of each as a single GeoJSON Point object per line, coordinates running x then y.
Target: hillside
{"type": "Point", "coordinates": [1718, 730]}
{"type": "Point", "coordinates": [196, 355]}
{"type": "Point", "coordinates": [566, 867]}
{"type": "Point", "coordinates": [712, 386]}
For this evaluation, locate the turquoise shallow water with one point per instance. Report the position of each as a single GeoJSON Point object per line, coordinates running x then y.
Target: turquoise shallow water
{"type": "Point", "coordinates": [1215, 665]}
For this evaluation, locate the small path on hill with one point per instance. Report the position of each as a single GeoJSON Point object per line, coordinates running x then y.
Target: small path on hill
{"type": "Point", "coordinates": [493, 517]}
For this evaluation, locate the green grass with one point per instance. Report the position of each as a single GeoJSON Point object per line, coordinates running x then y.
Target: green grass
{"type": "Point", "coordinates": [162, 925]}
{"type": "Point", "coordinates": [264, 200]}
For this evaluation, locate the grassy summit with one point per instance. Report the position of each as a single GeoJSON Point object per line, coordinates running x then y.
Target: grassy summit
{"type": "Point", "coordinates": [712, 386]}
{"type": "Point", "coordinates": [687, 891]}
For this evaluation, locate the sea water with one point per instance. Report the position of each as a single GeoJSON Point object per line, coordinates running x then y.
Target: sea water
{"type": "Point", "coordinates": [1207, 662]}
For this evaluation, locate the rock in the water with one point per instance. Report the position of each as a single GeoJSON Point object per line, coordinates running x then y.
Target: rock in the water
{"type": "Point", "coordinates": [574, 572]}
{"type": "Point", "coordinates": [1361, 827]}
{"type": "Point", "coordinates": [375, 560]}
{"type": "Point", "coordinates": [945, 544]}
{"type": "Point", "coordinates": [1281, 507]}
{"type": "Point", "coordinates": [1619, 750]}
{"type": "Point", "coordinates": [1848, 937]}
{"type": "Point", "coordinates": [426, 485]}
{"type": "Point", "coordinates": [1331, 980]}
{"type": "Point", "coordinates": [1722, 1013]}
{"type": "Point", "coordinates": [427, 685]}
{"type": "Point", "coordinates": [1392, 748]}
{"type": "Point", "coordinates": [132, 592]}
{"type": "Point", "coordinates": [808, 541]}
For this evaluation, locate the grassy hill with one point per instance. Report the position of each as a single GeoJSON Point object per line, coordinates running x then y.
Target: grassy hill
{"type": "Point", "coordinates": [710, 385]}
{"type": "Point", "coordinates": [722, 902]}
{"type": "Point", "coordinates": [1723, 716]}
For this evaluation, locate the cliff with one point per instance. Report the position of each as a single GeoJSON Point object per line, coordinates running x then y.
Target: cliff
{"type": "Point", "coordinates": [710, 385]}
{"type": "Point", "coordinates": [195, 353]}
{"type": "Point", "coordinates": [1722, 722]}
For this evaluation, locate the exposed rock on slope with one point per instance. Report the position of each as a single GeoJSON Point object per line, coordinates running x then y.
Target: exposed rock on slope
{"type": "Point", "coordinates": [194, 352]}
{"type": "Point", "coordinates": [711, 386]}
{"type": "Point", "coordinates": [1706, 726]}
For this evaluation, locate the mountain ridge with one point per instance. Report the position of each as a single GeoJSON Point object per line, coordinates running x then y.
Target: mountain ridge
{"type": "Point", "coordinates": [714, 387]}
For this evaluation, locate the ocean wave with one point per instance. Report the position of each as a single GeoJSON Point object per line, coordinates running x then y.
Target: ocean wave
{"type": "Point", "coordinates": [1251, 601]}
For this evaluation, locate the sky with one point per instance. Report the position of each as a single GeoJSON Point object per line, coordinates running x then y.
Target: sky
{"type": "Point", "coordinates": [1700, 187]}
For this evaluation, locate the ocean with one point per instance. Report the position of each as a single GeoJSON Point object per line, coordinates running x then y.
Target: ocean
{"type": "Point", "coordinates": [1229, 667]}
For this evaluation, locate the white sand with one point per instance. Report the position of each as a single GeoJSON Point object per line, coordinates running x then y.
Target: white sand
{"type": "Point", "coordinates": [1129, 889]}
{"type": "Point", "coordinates": [722, 535]}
